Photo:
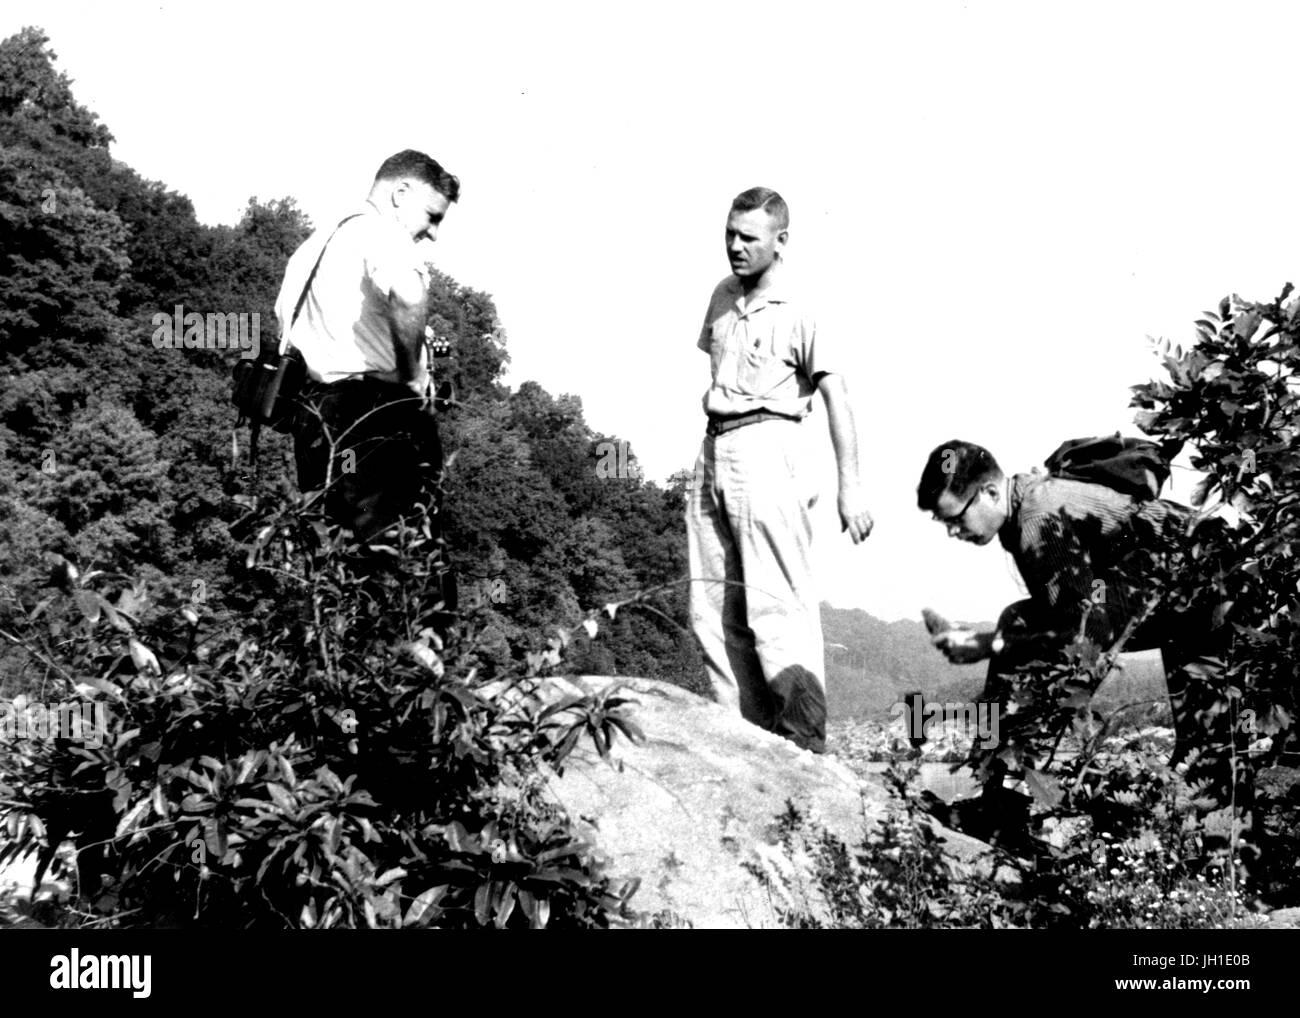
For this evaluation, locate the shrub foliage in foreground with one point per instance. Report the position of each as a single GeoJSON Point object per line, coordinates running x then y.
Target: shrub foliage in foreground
{"type": "Point", "coordinates": [1160, 874]}
{"type": "Point", "coordinates": [333, 763]}
{"type": "Point", "coordinates": [1234, 398]}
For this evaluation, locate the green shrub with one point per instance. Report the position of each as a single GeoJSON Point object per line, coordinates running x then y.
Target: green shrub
{"type": "Point", "coordinates": [898, 877]}
{"type": "Point", "coordinates": [334, 761]}
{"type": "Point", "coordinates": [1164, 870]}
{"type": "Point", "coordinates": [1139, 846]}
{"type": "Point", "coordinates": [1233, 398]}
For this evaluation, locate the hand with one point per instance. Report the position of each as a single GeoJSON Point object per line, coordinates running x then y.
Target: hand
{"type": "Point", "coordinates": [854, 516]}
{"type": "Point", "coordinates": [423, 387]}
{"type": "Point", "coordinates": [935, 623]}
{"type": "Point", "coordinates": [964, 646]}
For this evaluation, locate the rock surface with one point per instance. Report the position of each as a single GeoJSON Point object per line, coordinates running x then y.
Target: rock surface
{"type": "Point", "coordinates": [700, 796]}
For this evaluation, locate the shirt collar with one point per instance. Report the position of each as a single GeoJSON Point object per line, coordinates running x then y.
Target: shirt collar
{"type": "Point", "coordinates": [773, 293]}
{"type": "Point", "coordinates": [1015, 495]}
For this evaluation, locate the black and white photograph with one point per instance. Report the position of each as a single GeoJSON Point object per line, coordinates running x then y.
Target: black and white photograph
{"type": "Point", "coordinates": [583, 466]}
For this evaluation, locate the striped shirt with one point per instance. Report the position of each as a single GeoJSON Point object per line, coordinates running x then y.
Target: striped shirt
{"type": "Point", "coordinates": [1070, 539]}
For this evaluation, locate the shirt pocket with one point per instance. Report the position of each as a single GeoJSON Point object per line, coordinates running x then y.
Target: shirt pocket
{"type": "Point", "coordinates": [759, 364]}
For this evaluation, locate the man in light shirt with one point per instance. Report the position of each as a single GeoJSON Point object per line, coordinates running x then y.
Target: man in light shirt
{"type": "Point", "coordinates": [754, 606]}
{"type": "Point", "coordinates": [353, 303]}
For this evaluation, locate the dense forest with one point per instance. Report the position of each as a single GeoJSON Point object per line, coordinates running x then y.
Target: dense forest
{"type": "Point", "coordinates": [123, 457]}
{"type": "Point", "coordinates": [273, 721]}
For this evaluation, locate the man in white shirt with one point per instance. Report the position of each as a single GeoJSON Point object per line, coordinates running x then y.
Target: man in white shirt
{"type": "Point", "coordinates": [749, 516]}
{"type": "Point", "coordinates": [353, 302]}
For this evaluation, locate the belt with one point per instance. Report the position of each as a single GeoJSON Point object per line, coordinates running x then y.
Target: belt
{"type": "Point", "coordinates": [353, 381]}
{"type": "Point", "coordinates": [721, 425]}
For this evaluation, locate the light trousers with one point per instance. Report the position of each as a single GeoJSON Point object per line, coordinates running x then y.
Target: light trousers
{"type": "Point", "coordinates": [754, 606]}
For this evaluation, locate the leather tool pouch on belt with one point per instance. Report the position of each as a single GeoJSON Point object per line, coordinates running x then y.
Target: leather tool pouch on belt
{"type": "Point", "coordinates": [266, 389]}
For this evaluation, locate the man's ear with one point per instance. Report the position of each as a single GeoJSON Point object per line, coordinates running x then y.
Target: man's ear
{"type": "Point", "coordinates": [781, 239]}
{"type": "Point", "coordinates": [399, 190]}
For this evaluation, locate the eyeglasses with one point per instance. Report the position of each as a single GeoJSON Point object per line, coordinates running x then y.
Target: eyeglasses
{"type": "Point", "coordinates": [951, 520]}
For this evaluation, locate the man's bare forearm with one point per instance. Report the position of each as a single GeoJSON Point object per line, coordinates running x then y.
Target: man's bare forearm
{"type": "Point", "coordinates": [854, 516]}
{"type": "Point", "coordinates": [843, 428]}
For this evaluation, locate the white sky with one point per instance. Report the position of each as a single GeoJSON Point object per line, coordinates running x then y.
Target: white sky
{"type": "Point", "coordinates": [998, 201]}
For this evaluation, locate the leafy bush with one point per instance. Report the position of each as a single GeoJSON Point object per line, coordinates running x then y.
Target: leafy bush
{"type": "Point", "coordinates": [1234, 396]}
{"type": "Point", "coordinates": [1137, 844]}
{"type": "Point", "coordinates": [344, 759]}
{"type": "Point", "coordinates": [1163, 874]}
{"type": "Point", "coordinates": [898, 877]}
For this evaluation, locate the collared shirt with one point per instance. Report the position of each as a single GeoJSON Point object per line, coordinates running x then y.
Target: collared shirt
{"type": "Point", "coordinates": [767, 356]}
{"type": "Point", "coordinates": [344, 329]}
{"type": "Point", "coordinates": [1069, 540]}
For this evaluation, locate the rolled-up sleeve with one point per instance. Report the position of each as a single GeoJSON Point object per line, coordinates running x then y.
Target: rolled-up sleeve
{"type": "Point", "coordinates": [717, 305]}
{"type": "Point", "coordinates": [815, 342]}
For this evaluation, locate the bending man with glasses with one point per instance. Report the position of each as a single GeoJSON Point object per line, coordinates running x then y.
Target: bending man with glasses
{"type": "Point", "coordinates": [1080, 549]}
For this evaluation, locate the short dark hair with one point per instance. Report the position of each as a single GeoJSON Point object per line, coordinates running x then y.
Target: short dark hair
{"type": "Point", "coordinates": [410, 163]}
{"type": "Point", "coordinates": [766, 199]}
{"type": "Point", "coordinates": [957, 467]}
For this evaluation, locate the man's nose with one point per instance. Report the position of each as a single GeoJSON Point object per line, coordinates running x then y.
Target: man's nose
{"type": "Point", "coordinates": [431, 232]}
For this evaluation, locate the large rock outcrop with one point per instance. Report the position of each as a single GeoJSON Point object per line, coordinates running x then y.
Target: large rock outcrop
{"type": "Point", "coordinates": [684, 809]}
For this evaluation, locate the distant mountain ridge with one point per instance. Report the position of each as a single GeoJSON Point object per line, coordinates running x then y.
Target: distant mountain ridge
{"type": "Point", "coordinates": [871, 665]}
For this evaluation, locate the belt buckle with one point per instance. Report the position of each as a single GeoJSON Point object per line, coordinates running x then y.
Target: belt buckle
{"type": "Point", "coordinates": [720, 426]}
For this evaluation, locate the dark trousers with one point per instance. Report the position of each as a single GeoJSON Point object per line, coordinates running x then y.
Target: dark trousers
{"type": "Point", "coordinates": [1193, 654]}
{"type": "Point", "coordinates": [386, 455]}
